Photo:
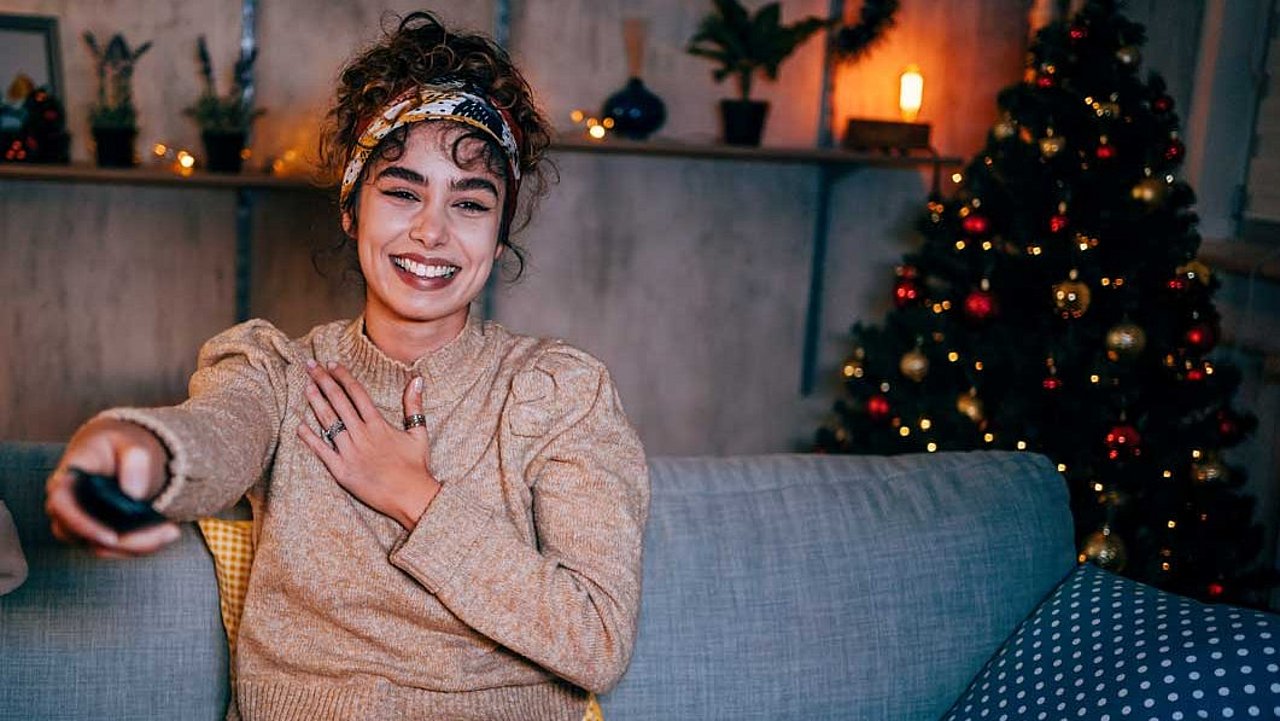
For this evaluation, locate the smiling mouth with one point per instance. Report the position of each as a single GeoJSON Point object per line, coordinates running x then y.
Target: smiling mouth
{"type": "Point", "coordinates": [422, 270]}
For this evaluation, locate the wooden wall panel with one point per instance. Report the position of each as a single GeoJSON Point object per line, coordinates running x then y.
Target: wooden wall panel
{"type": "Point", "coordinates": [106, 294]}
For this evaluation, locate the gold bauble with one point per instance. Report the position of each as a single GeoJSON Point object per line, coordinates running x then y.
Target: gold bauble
{"type": "Point", "coordinates": [971, 406]}
{"type": "Point", "coordinates": [1210, 469]}
{"type": "Point", "coordinates": [914, 365]}
{"type": "Point", "coordinates": [1051, 145]}
{"type": "Point", "coordinates": [1151, 191]}
{"type": "Point", "coordinates": [1195, 269]}
{"type": "Point", "coordinates": [1004, 128]}
{"type": "Point", "coordinates": [1104, 548]}
{"type": "Point", "coordinates": [1071, 297]}
{"type": "Point", "coordinates": [1125, 342]}
{"type": "Point", "coordinates": [1129, 55]}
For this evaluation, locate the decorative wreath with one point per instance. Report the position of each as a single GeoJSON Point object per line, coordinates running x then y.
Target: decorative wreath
{"type": "Point", "coordinates": [876, 16]}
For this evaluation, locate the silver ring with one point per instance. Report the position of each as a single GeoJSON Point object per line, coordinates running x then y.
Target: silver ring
{"type": "Point", "coordinates": [332, 431]}
{"type": "Point", "coordinates": [415, 420]}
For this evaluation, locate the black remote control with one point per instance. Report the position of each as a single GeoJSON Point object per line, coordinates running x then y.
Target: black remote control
{"type": "Point", "coordinates": [101, 497]}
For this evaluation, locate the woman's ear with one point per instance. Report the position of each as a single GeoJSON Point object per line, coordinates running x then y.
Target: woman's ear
{"type": "Point", "coordinates": [346, 223]}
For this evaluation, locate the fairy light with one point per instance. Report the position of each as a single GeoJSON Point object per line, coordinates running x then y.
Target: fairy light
{"type": "Point", "coordinates": [986, 245]}
{"type": "Point", "coordinates": [1062, 468]}
{"type": "Point", "coordinates": [977, 365]}
{"type": "Point", "coordinates": [1167, 473]}
{"type": "Point", "coordinates": [925, 424]}
{"type": "Point", "coordinates": [1022, 445]}
{"type": "Point", "coordinates": [577, 116]}
{"type": "Point", "coordinates": [932, 447]}
{"type": "Point", "coordinates": [596, 131]}
{"type": "Point", "coordinates": [1094, 378]}
{"type": "Point", "coordinates": [159, 150]}
{"type": "Point", "coordinates": [956, 177]}
{"type": "Point", "coordinates": [953, 356]}
{"type": "Point", "coordinates": [989, 437]}
{"type": "Point", "coordinates": [1097, 487]}
{"type": "Point", "coordinates": [960, 245]}
{"type": "Point", "coordinates": [1173, 524]}
{"type": "Point", "coordinates": [904, 431]}
{"type": "Point", "coordinates": [1035, 250]}
{"type": "Point", "coordinates": [1196, 454]}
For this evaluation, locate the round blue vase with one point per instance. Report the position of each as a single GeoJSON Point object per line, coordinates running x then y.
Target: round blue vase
{"type": "Point", "coordinates": [636, 111]}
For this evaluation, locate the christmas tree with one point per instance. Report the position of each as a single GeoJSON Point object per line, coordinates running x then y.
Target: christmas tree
{"type": "Point", "coordinates": [1057, 306]}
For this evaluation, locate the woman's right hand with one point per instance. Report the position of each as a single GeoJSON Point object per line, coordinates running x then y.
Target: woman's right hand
{"type": "Point", "coordinates": [109, 447]}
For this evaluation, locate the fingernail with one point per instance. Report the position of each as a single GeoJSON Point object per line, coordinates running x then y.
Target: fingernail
{"type": "Point", "coordinates": [107, 538]}
{"type": "Point", "coordinates": [171, 534]}
{"type": "Point", "coordinates": [417, 384]}
{"type": "Point", "coordinates": [311, 363]}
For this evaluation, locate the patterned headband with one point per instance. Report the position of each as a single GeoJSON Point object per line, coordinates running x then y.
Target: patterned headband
{"type": "Point", "coordinates": [444, 100]}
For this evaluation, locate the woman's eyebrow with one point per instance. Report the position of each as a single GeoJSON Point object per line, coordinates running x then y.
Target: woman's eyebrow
{"type": "Point", "coordinates": [403, 173]}
{"type": "Point", "coordinates": [473, 183]}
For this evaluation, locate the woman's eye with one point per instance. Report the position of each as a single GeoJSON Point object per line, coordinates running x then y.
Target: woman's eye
{"type": "Point", "coordinates": [399, 194]}
{"type": "Point", "coordinates": [472, 206]}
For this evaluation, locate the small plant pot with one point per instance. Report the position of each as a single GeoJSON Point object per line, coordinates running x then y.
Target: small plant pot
{"type": "Point", "coordinates": [742, 121]}
{"type": "Point", "coordinates": [113, 147]}
{"type": "Point", "coordinates": [222, 151]}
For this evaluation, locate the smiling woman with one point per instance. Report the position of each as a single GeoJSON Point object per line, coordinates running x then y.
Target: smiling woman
{"type": "Point", "coordinates": [448, 515]}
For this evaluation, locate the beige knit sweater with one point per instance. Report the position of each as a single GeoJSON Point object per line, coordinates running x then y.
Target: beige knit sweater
{"type": "Point", "coordinates": [519, 587]}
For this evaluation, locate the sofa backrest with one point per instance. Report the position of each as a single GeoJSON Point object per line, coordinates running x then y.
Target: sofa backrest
{"type": "Point", "coordinates": [836, 587]}
{"type": "Point", "coordinates": [85, 638]}
{"type": "Point", "coordinates": [776, 587]}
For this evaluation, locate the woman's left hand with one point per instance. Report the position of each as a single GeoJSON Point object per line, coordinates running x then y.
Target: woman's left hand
{"type": "Point", "coordinates": [387, 468]}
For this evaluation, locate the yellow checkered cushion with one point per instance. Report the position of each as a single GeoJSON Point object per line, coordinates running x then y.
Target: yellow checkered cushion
{"type": "Point", "coordinates": [231, 543]}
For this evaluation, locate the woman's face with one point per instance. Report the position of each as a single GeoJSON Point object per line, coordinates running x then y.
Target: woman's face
{"type": "Point", "coordinates": [427, 234]}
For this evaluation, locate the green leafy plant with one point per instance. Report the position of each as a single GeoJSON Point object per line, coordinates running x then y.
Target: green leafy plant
{"type": "Point", "coordinates": [742, 44]}
{"type": "Point", "coordinates": [114, 108]}
{"type": "Point", "coordinates": [230, 113]}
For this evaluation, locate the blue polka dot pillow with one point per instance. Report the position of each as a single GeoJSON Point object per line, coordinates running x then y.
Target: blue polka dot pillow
{"type": "Point", "coordinates": [1105, 648]}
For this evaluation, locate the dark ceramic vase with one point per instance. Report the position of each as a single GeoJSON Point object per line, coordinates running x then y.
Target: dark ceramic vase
{"type": "Point", "coordinates": [114, 146]}
{"type": "Point", "coordinates": [222, 151]}
{"type": "Point", "coordinates": [635, 110]}
{"type": "Point", "coordinates": [743, 121]}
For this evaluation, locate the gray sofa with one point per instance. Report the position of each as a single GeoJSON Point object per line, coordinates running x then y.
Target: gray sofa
{"type": "Point", "coordinates": [776, 587]}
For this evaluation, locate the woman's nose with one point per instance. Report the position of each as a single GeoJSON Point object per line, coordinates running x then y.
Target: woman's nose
{"type": "Point", "coordinates": [429, 228]}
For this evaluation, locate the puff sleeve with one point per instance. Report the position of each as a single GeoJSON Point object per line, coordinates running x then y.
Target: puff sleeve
{"type": "Point", "coordinates": [222, 438]}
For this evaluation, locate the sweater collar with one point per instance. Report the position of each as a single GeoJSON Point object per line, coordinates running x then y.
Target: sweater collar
{"type": "Point", "coordinates": [446, 371]}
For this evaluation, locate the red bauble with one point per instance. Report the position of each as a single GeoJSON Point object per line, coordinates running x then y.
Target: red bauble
{"type": "Point", "coordinates": [1201, 337]}
{"type": "Point", "coordinates": [905, 291]}
{"type": "Point", "coordinates": [1162, 104]}
{"type": "Point", "coordinates": [975, 224]}
{"type": "Point", "coordinates": [1195, 374]}
{"type": "Point", "coordinates": [878, 407]}
{"type": "Point", "coordinates": [980, 305]}
{"type": "Point", "coordinates": [1216, 589]}
{"type": "Point", "coordinates": [1078, 33]}
{"type": "Point", "coordinates": [1045, 81]}
{"type": "Point", "coordinates": [1052, 383]}
{"type": "Point", "coordinates": [1106, 152]}
{"type": "Point", "coordinates": [1178, 284]}
{"type": "Point", "coordinates": [1174, 151]}
{"type": "Point", "coordinates": [1228, 426]}
{"type": "Point", "coordinates": [1058, 223]}
{"type": "Point", "coordinates": [1123, 440]}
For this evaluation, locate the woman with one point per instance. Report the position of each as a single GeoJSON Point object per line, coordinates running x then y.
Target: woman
{"type": "Point", "coordinates": [448, 516]}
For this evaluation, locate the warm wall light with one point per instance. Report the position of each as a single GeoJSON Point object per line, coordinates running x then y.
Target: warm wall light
{"type": "Point", "coordinates": [910, 93]}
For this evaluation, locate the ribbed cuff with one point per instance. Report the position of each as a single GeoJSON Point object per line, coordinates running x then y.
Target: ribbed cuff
{"type": "Point", "coordinates": [179, 460]}
{"type": "Point", "coordinates": [448, 534]}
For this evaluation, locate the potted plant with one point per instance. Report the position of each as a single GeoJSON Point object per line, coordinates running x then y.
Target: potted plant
{"type": "Point", "coordinates": [224, 120]}
{"type": "Point", "coordinates": [112, 119]}
{"type": "Point", "coordinates": [742, 45]}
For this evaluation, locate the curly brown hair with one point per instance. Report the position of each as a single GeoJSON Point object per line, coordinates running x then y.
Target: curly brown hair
{"type": "Point", "coordinates": [420, 50]}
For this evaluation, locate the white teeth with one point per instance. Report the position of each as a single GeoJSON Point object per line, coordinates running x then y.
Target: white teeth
{"type": "Point", "coordinates": [425, 271]}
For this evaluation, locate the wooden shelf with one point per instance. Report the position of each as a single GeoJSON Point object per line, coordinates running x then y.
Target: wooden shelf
{"type": "Point", "coordinates": [144, 175]}
{"type": "Point", "coordinates": [159, 176]}
{"type": "Point", "coordinates": [813, 156]}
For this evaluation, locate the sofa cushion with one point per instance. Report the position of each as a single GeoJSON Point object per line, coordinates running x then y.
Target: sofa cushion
{"type": "Point", "coordinates": [1107, 648]}
{"type": "Point", "coordinates": [86, 638]}
{"type": "Point", "coordinates": [836, 587]}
